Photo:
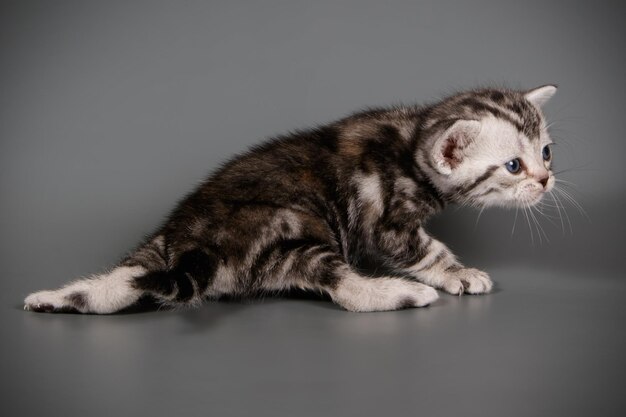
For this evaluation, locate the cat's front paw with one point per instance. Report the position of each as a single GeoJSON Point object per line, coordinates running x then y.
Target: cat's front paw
{"type": "Point", "coordinates": [469, 280]}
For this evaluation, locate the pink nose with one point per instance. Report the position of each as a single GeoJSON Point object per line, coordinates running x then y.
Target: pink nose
{"type": "Point", "coordinates": [544, 181]}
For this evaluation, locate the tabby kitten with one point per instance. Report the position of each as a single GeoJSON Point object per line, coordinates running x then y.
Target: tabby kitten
{"type": "Point", "coordinates": [304, 210]}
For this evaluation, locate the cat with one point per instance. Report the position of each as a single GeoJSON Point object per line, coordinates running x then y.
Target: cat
{"type": "Point", "coordinates": [305, 210]}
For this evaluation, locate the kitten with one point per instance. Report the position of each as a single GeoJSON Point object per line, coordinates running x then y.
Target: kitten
{"type": "Point", "coordinates": [304, 210]}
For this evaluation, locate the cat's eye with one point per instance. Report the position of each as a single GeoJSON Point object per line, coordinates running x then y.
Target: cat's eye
{"type": "Point", "coordinates": [546, 153]}
{"type": "Point", "coordinates": [513, 166]}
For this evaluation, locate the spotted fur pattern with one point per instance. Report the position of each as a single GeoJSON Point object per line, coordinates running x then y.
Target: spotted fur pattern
{"type": "Point", "coordinates": [305, 210]}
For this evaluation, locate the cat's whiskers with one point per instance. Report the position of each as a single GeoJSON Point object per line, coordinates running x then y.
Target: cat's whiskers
{"type": "Point", "coordinates": [570, 198]}
{"type": "Point", "coordinates": [567, 183]}
{"type": "Point", "coordinates": [514, 221]}
{"type": "Point", "coordinates": [558, 209]}
{"type": "Point", "coordinates": [564, 210]}
{"type": "Point", "coordinates": [534, 222]}
{"type": "Point", "coordinates": [572, 169]}
{"type": "Point", "coordinates": [534, 225]}
{"type": "Point", "coordinates": [538, 223]}
{"type": "Point", "coordinates": [541, 209]}
{"type": "Point", "coordinates": [546, 204]}
{"type": "Point", "coordinates": [479, 214]}
{"type": "Point", "coordinates": [524, 208]}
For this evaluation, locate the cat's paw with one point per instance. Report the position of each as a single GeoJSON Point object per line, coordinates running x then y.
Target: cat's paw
{"type": "Point", "coordinates": [468, 280]}
{"type": "Point", "coordinates": [423, 296]}
{"type": "Point", "coordinates": [46, 302]}
{"type": "Point", "coordinates": [414, 294]}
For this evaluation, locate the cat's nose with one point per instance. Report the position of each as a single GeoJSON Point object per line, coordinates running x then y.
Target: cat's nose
{"type": "Point", "coordinates": [544, 181]}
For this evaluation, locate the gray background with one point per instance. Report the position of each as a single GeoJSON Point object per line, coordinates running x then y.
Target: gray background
{"type": "Point", "coordinates": [111, 111]}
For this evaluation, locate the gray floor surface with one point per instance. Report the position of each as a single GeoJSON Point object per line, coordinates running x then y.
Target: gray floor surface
{"type": "Point", "coordinates": [543, 344]}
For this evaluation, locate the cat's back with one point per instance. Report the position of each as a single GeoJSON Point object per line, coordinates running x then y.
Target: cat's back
{"type": "Point", "coordinates": [321, 150]}
{"type": "Point", "coordinates": [296, 163]}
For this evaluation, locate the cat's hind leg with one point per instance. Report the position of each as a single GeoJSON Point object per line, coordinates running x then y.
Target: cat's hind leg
{"type": "Point", "coordinates": [108, 292]}
{"type": "Point", "coordinates": [100, 294]}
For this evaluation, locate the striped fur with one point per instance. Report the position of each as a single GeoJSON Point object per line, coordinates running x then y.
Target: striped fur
{"type": "Point", "coordinates": [306, 210]}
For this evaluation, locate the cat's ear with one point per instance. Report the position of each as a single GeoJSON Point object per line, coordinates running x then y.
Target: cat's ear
{"type": "Point", "coordinates": [540, 95]}
{"type": "Point", "coordinates": [449, 148]}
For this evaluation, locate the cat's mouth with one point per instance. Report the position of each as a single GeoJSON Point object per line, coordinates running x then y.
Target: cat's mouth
{"type": "Point", "coordinates": [532, 193]}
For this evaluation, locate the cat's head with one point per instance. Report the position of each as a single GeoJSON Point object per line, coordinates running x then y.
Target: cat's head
{"type": "Point", "coordinates": [490, 147]}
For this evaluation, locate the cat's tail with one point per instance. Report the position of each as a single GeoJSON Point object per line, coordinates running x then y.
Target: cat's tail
{"type": "Point", "coordinates": [147, 271]}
